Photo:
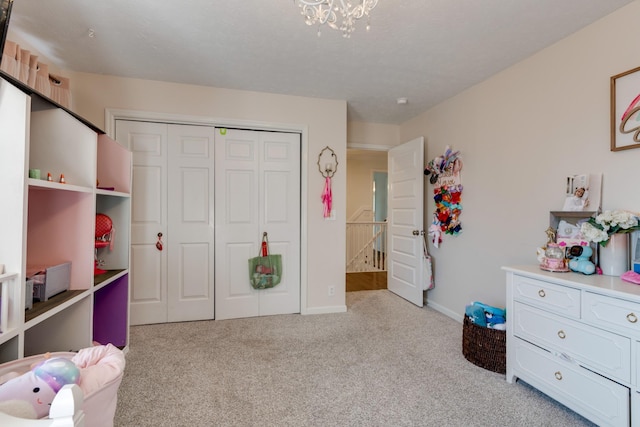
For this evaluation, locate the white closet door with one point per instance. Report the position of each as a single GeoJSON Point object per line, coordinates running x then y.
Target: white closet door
{"type": "Point", "coordinates": [257, 190]}
{"type": "Point", "coordinates": [191, 219]}
{"type": "Point", "coordinates": [148, 144]}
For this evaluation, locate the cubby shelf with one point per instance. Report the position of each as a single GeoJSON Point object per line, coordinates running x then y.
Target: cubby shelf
{"type": "Point", "coordinates": [43, 310]}
{"type": "Point", "coordinates": [45, 223]}
{"type": "Point", "coordinates": [44, 185]}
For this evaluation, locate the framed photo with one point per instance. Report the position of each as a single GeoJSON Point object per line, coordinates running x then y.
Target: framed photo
{"type": "Point", "coordinates": [583, 192]}
{"type": "Point", "coordinates": [625, 110]}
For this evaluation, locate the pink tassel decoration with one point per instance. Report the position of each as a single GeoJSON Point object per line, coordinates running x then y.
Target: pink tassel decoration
{"type": "Point", "coordinates": [327, 197]}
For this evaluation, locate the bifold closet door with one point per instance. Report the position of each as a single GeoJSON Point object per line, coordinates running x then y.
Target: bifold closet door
{"type": "Point", "coordinates": [148, 144]}
{"type": "Point", "coordinates": [257, 190]}
{"type": "Point", "coordinates": [190, 294]}
{"type": "Point", "coordinates": [172, 274]}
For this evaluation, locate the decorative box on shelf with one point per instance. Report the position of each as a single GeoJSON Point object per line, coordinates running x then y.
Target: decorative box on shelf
{"type": "Point", "coordinates": [566, 226]}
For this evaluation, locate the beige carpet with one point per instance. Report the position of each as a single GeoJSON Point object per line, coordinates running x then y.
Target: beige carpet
{"type": "Point", "coordinates": [384, 362]}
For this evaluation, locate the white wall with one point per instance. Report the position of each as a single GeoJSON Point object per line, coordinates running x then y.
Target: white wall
{"type": "Point", "coordinates": [326, 124]}
{"type": "Point", "coordinates": [520, 133]}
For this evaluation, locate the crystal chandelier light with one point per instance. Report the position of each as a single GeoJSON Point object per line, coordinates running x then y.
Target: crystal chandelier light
{"type": "Point", "coordinates": [331, 12]}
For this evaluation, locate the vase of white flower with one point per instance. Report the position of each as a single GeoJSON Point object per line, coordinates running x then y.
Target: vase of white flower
{"type": "Point", "coordinates": [610, 230]}
{"type": "Point", "coordinates": [614, 257]}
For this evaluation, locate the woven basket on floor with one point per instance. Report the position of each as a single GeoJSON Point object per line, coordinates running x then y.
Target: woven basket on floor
{"type": "Point", "coordinates": [484, 347]}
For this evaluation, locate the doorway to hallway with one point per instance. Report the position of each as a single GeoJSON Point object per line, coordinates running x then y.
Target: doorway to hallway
{"type": "Point", "coordinates": [366, 281]}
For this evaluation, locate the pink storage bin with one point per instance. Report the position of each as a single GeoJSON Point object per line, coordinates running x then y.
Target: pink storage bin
{"type": "Point", "coordinates": [101, 371]}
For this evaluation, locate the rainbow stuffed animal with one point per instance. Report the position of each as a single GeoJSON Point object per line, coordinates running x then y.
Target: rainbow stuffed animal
{"type": "Point", "coordinates": [39, 386]}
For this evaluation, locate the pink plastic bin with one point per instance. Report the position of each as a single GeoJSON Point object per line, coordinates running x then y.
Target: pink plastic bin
{"type": "Point", "coordinates": [99, 405]}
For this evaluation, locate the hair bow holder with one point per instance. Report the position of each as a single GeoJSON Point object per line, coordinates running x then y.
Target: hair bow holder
{"type": "Point", "coordinates": [447, 194]}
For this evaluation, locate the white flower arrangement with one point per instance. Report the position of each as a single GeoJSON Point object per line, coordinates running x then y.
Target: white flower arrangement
{"type": "Point", "coordinates": [600, 228]}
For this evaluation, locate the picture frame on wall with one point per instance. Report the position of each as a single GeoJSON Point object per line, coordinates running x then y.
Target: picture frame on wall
{"type": "Point", "coordinates": [625, 110]}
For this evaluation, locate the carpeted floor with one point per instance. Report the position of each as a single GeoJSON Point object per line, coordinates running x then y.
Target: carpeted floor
{"type": "Point", "coordinates": [385, 362]}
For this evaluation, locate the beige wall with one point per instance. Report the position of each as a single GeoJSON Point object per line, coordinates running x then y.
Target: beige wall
{"type": "Point", "coordinates": [325, 121]}
{"type": "Point", "coordinates": [360, 167]}
{"type": "Point", "coordinates": [520, 132]}
{"type": "Point", "coordinates": [372, 135]}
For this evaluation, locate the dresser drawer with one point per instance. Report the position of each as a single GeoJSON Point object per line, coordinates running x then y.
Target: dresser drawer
{"type": "Point", "coordinates": [557, 298]}
{"type": "Point", "coordinates": [637, 383]}
{"type": "Point", "coordinates": [601, 351]}
{"type": "Point", "coordinates": [602, 401]}
{"type": "Point", "coordinates": [609, 312]}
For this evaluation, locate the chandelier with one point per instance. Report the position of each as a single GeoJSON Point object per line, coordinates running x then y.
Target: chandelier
{"type": "Point", "coordinates": [337, 14]}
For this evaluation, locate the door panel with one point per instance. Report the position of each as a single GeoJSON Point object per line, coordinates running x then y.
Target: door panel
{"type": "Point", "coordinates": [406, 211]}
{"type": "Point", "coordinates": [148, 144]}
{"type": "Point", "coordinates": [237, 222]}
{"type": "Point", "coordinates": [281, 219]}
{"type": "Point", "coordinates": [191, 218]}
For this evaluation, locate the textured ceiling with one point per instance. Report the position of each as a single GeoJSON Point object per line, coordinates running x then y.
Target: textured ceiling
{"type": "Point", "coordinates": [425, 50]}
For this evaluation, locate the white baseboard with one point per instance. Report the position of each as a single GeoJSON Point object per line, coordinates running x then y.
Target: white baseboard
{"type": "Point", "coordinates": [326, 310]}
{"type": "Point", "coordinates": [437, 307]}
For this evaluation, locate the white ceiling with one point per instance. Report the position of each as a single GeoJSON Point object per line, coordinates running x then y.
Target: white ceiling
{"type": "Point", "coordinates": [425, 50]}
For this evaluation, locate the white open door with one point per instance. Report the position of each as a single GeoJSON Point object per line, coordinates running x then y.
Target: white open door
{"type": "Point", "coordinates": [406, 211]}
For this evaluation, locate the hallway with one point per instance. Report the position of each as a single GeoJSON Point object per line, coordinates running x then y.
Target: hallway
{"type": "Point", "coordinates": [366, 281]}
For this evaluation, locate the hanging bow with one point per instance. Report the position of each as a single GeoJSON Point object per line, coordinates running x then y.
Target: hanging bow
{"type": "Point", "coordinates": [327, 197]}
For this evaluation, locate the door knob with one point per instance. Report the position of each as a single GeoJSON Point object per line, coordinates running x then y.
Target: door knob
{"type": "Point", "coordinates": [416, 232]}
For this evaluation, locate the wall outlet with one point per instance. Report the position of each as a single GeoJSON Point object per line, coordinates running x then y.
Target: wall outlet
{"type": "Point", "coordinates": [332, 215]}
{"type": "Point", "coordinates": [332, 291]}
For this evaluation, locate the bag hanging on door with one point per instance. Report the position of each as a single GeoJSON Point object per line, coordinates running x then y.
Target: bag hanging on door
{"type": "Point", "coordinates": [428, 268]}
{"type": "Point", "coordinates": [265, 270]}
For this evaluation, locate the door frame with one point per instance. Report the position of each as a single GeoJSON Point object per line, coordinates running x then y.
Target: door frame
{"type": "Point", "coordinates": [113, 114]}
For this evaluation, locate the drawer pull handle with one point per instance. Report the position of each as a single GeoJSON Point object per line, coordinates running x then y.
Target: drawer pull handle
{"type": "Point", "coordinates": [541, 293]}
{"type": "Point", "coordinates": [561, 334]}
{"type": "Point", "coordinates": [558, 375]}
{"type": "Point", "coordinates": [632, 318]}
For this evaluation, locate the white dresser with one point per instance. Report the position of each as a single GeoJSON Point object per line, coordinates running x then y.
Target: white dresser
{"type": "Point", "coordinates": [577, 339]}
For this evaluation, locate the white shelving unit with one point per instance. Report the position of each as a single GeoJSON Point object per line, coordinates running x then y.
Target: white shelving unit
{"type": "Point", "coordinates": [46, 223]}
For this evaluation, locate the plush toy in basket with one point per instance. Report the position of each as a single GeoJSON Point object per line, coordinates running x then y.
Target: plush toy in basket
{"type": "Point", "coordinates": [32, 392]}
{"type": "Point", "coordinates": [97, 370]}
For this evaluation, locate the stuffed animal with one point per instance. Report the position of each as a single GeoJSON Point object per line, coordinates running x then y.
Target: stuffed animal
{"type": "Point", "coordinates": [476, 314]}
{"type": "Point", "coordinates": [39, 386]}
{"type": "Point", "coordinates": [581, 263]}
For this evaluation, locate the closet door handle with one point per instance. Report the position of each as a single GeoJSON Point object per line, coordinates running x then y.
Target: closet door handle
{"type": "Point", "coordinates": [159, 244]}
{"type": "Point", "coordinates": [631, 317]}
{"type": "Point", "coordinates": [561, 334]}
{"type": "Point", "coordinates": [558, 375]}
{"type": "Point", "coordinates": [541, 293]}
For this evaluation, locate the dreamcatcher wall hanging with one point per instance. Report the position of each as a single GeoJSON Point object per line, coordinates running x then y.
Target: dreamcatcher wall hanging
{"type": "Point", "coordinates": [327, 165]}
{"type": "Point", "coordinates": [447, 194]}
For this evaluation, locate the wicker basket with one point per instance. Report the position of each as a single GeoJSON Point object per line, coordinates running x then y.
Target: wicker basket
{"type": "Point", "coordinates": [484, 347]}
